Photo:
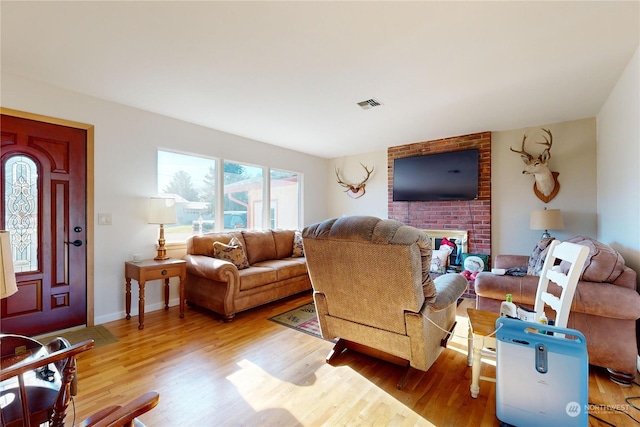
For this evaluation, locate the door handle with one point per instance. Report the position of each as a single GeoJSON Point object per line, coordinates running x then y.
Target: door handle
{"type": "Point", "coordinates": [75, 243]}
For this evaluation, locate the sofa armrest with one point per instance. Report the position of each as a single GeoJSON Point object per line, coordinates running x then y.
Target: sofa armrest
{"type": "Point", "coordinates": [606, 300]}
{"type": "Point", "coordinates": [211, 268]}
{"type": "Point", "coordinates": [511, 261]}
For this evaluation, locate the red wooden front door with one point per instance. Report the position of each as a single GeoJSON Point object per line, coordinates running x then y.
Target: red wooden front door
{"type": "Point", "coordinates": [43, 173]}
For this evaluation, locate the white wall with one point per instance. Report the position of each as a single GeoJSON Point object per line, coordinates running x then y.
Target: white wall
{"type": "Point", "coordinates": [619, 166]}
{"type": "Point", "coordinates": [374, 202]}
{"type": "Point", "coordinates": [573, 155]}
{"type": "Point", "coordinates": [126, 141]}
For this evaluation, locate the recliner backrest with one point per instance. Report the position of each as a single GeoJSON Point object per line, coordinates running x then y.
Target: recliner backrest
{"type": "Point", "coordinates": [370, 270]}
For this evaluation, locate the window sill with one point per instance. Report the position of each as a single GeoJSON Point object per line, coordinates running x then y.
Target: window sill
{"type": "Point", "coordinates": [176, 249]}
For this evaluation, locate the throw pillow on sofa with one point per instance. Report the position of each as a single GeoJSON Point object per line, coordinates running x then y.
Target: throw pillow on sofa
{"type": "Point", "coordinates": [233, 252]}
{"type": "Point", "coordinates": [536, 260]}
{"type": "Point", "coordinates": [474, 263]}
{"type": "Point", "coordinates": [298, 249]}
{"type": "Point", "coordinates": [439, 258]}
{"type": "Point", "coordinates": [604, 264]}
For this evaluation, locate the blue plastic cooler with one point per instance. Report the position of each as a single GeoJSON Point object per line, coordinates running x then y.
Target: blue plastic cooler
{"type": "Point", "coordinates": [542, 375]}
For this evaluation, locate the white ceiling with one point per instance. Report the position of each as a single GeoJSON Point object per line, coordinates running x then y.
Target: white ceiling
{"type": "Point", "coordinates": [291, 73]}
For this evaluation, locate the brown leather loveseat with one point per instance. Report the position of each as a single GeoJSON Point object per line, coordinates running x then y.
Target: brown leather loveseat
{"type": "Point", "coordinates": [605, 306]}
{"type": "Point", "coordinates": [253, 267]}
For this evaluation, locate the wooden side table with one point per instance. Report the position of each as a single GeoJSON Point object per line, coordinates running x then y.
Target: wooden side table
{"type": "Point", "coordinates": [482, 327]}
{"type": "Point", "coordinates": [150, 269]}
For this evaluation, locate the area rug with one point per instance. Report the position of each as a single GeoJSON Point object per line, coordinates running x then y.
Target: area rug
{"type": "Point", "coordinates": [99, 334]}
{"type": "Point", "coordinates": [303, 319]}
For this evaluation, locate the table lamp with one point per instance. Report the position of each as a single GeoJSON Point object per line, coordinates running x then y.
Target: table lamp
{"type": "Point", "coordinates": [162, 211]}
{"type": "Point", "coordinates": [8, 285]}
{"type": "Point", "coordinates": [547, 219]}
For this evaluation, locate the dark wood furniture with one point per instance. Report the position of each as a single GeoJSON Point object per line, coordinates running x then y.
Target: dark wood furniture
{"type": "Point", "coordinates": [123, 416]}
{"type": "Point", "coordinates": [150, 269]}
{"type": "Point", "coordinates": [36, 379]}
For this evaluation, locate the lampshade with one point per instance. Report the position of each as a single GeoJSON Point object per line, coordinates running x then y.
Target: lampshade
{"type": "Point", "coordinates": [8, 284]}
{"type": "Point", "coordinates": [162, 210]}
{"type": "Point", "coordinates": [547, 219]}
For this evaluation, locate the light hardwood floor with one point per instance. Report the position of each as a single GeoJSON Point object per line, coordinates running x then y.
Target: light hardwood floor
{"type": "Point", "coordinates": [254, 372]}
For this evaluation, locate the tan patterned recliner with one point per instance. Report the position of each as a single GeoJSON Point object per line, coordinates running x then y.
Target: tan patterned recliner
{"type": "Point", "coordinates": [373, 291]}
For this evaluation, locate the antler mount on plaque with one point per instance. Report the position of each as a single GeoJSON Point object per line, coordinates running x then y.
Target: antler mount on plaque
{"type": "Point", "coordinates": [546, 185]}
{"type": "Point", "coordinates": [355, 191]}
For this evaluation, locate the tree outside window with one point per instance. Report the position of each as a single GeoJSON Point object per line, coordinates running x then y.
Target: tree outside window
{"type": "Point", "coordinates": [191, 181]}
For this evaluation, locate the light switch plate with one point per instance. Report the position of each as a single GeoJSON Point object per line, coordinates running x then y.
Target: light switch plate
{"type": "Point", "coordinates": [104, 219]}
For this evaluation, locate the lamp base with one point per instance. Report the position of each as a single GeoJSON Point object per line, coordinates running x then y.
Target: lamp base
{"type": "Point", "coordinates": [162, 250]}
{"type": "Point", "coordinates": [546, 234]}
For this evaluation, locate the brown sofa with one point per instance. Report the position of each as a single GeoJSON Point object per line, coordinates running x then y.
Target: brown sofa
{"type": "Point", "coordinates": [219, 285]}
{"type": "Point", "coordinates": [605, 305]}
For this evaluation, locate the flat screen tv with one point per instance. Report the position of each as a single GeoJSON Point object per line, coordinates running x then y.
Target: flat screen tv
{"type": "Point", "coordinates": [442, 176]}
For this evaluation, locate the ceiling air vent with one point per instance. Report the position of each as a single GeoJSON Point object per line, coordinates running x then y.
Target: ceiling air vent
{"type": "Point", "coordinates": [369, 103]}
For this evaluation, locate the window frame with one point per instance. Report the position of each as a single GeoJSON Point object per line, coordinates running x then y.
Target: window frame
{"type": "Point", "coordinates": [218, 211]}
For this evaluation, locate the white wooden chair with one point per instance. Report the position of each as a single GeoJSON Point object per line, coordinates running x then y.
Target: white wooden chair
{"type": "Point", "coordinates": [481, 336]}
{"type": "Point", "coordinates": [565, 251]}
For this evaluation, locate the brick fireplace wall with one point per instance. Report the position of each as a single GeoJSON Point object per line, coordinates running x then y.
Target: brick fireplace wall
{"type": "Point", "coordinates": [471, 215]}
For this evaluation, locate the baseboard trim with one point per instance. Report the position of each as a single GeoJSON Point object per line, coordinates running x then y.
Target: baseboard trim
{"type": "Point", "coordinates": [148, 308]}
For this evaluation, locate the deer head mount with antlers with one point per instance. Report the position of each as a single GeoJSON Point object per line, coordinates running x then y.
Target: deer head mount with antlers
{"type": "Point", "coordinates": [355, 190]}
{"type": "Point", "coordinates": [546, 185]}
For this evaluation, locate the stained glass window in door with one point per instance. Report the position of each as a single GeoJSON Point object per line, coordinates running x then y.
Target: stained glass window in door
{"type": "Point", "coordinates": [21, 211]}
